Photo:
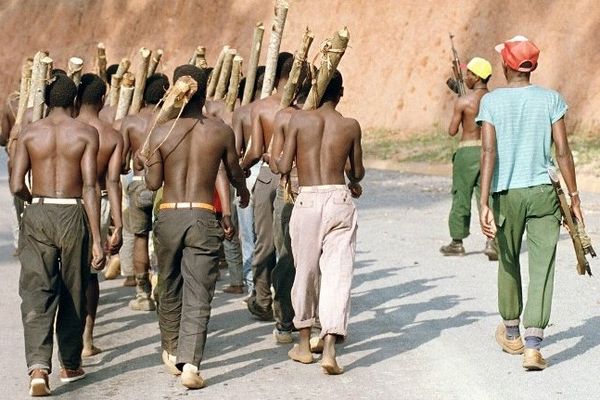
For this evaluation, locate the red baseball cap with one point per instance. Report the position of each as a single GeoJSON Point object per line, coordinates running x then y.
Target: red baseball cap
{"type": "Point", "coordinates": [517, 51]}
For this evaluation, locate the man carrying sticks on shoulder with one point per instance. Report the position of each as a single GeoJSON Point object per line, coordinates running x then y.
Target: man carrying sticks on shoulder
{"type": "Point", "coordinates": [324, 220]}
{"type": "Point", "coordinates": [185, 155]}
{"type": "Point", "coordinates": [54, 245]}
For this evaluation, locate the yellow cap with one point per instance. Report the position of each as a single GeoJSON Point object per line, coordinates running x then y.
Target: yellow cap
{"type": "Point", "coordinates": [480, 67]}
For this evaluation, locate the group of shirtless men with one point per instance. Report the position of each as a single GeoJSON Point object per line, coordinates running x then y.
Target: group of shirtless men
{"type": "Point", "coordinates": [75, 157]}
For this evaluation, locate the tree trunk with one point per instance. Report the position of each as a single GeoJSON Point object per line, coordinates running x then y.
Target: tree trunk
{"type": "Point", "coordinates": [234, 83]}
{"type": "Point", "coordinates": [281, 10]}
{"type": "Point", "coordinates": [291, 87]}
{"type": "Point", "coordinates": [115, 81]}
{"type": "Point", "coordinates": [23, 96]}
{"type": "Point", "coordinates": [259, 31]}
{"type": "Point", "coordinates": [331, 54]}
{"type": "Point", "coordinates": [34, 79]}
{"type": "Point", "coordinates": [214, 76]}
{"type": "Point", "coordinates": [140, 81]}
{"type": "Point", "coordinates": [74, 69]}
{"type": "Point", "coordinates": [223, 81]}
{"type": "Point", "coordinates": [125, 95]}
{"type": "Point", "coordinates": [154, 62]}
{"type": "Point", "coordinates": [101, 60]}
{"type": "Point", "coordinates": [41, 75]}
{"type": "Point", "coordinates": [200, 57]}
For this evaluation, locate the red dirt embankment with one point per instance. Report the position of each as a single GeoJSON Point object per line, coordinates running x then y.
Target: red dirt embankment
{"type": "Point", "coordinates": [395, 69]}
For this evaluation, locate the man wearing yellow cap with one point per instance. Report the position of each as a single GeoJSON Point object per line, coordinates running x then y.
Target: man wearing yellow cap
{"type": "Point", "coordinates": [465, 169]}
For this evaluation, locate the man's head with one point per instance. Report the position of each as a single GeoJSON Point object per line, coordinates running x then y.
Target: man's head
{"type": "Point", "coordinates": [196, 74]}
{"type": "Point", "coordinates": [60, 92]}
{"type": "Point", "coordinates": [110, 71]}
{"type": "Point", "coordinates": [258, 83]}
{"type": "Point", "coordinates": [335, 89]}
{"type": "Point", "coordinates": [304, 88]}
{"type": "Point", "coordinates": [58, 71]}
{"type": "Point", "coordinates": [156, 87]}
{"type": "Point", "coordinates": [91, 90]}
{"type": "Point", "coordinates": [285, 61]}
{"type": "Point", "coordinates": [478, 70]}
{"type": "Point", "coordinates": [519, 56]}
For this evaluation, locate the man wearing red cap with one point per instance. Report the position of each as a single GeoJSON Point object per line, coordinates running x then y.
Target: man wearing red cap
{"type": "Point", "coordinates": [465, 162]}
{"type": "Point", "coordinates": [519, 124]}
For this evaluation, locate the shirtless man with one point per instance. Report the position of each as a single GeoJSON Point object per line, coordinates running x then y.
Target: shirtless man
{"type": "Point", "coordinates": [263, 260]}
{"type": "Point", "coordinates": [54, 242]}
{"type": "Point", "coordinates": [283, 273]}
{"type": "Point", "coordinates": [465, 163]}
{"type": "Point", "coordinates": [138, 216]}
{"type": "Point", "coordinates": [187, 230]}
{"type": "Point", "coordinates": [323, 223]}
{"type": "Point", "coordinates": [90, 98]}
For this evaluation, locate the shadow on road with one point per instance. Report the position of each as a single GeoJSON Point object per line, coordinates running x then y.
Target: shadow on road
{"type": "Point", "coordinates": [589, 339]}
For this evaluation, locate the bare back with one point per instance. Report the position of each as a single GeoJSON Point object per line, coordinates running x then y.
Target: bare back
{"type": "Point", "coordinates": [241, 123]}
{"type": "Point", "coordinates": [262, 118]}
{"type": "Point", "coordinates": [470, 109]}
{"type": "Point", "coordinates": [324, 141]}
{"type": "Point", "coordinates": [109, 141]}
{"type": "Point", "coordinates": [56, 147]}
{"type": "Point", "coordinates": [134, 129]}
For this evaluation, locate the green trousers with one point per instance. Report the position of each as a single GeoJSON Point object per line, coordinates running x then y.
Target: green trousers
{"type": "Point", "coordinates": [533, 210]}
{"type": "Point", "coordinates": [465, 181]}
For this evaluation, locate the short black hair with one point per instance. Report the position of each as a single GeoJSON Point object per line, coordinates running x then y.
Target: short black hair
{"type": "Point", "coordinates": [285, 61]}
{"type": "Point", "coordinates": [486, 80]}
{"type": "Point", "coordinates": [110, 71]}
{"type": "Point", "coordinates": [197, 74]}
{"type": "Point", "coordinates": [60, 92]}
{"type": "Point", "coordinates": [242, 87]}
{"type": "Point", "coordinates": [91, 89]}
{"type": "Point", "coordinates": [156, 87]}
{"type": "Point", "coordinates": [58, 71]}
{"type": "Point", "coordinates": [334, 89]}
{"type": "Point", "coordinates": [258, 83]}
{"type": "Point", "coordinates": [304, 90]}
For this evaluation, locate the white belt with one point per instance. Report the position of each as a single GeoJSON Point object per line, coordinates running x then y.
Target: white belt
{"type": "Point", "coordinates": [137, 178]}
{"type": "Point", "coordinates": [321, 188]}
{"type": "Point", "coordinates": [48, 200]}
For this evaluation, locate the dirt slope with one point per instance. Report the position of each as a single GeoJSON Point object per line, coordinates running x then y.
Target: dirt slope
{"type": "Point", "coordinates": [395, 69]}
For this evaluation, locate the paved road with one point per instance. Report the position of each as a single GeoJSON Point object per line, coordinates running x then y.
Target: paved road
{"type": "Point", "coordinates": [422, 325]}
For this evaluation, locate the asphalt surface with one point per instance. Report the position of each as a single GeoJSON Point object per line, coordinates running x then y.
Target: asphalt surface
{"type": "Point", "coordinates": [422, 325]}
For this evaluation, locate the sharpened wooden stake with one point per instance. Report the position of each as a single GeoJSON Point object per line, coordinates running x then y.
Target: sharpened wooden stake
{"type": "Point", "coordinates": [281, 10]}
{"type": "Point", "coordinates": [101, 60]}
{"type": "Point", "coordinates": [259, 31]}
{"type": "Point", "coordinates": [41, 75]}
{"type": "Point", "coordinates": [74, 69]}
{"type": "Point", "coordinates": [23, 97]}
{"type": "Point", "coordinates": [331, 53]}
{"type": "Point", "coordinates": [140, 81]}
{"type": "Point", "coordinates": [125, 95]}
{"type": "Point", "coordinates": [216, 72]}
{"type": "Point", "coordinates": [200, 57]}
{"type": "Point", "coordinates": [154, 62]}
{"type": "Point", "coordinates": [291, 87]}
{"type": "Point", "coordinates": [34, 79]}
{"type": "Point", "coordinates": [234, 83]}
{"type": "Point", "coordinates": [115, 81]}
{"type": "Point", "coordinates": [223, 81]}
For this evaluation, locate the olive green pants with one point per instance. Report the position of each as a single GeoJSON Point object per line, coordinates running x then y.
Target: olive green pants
{"type": "Point", "coordinates": [533, 210]}
{"type": "Point", "coordinates": [465, 182]}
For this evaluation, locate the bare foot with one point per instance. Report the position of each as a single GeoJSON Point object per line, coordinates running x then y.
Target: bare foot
{"type": "Point", "coordinates": [316, 344]}
{"type": "Point", "coordinates": [304, 357]}
{"type": "Point", "coordinates": [331, 367]}
{"type": "Point", "coordinates": [90, 351]}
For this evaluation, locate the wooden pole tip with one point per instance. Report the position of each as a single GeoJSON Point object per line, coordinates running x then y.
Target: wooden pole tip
{"type": "Point", "coordinates": [101, 46]}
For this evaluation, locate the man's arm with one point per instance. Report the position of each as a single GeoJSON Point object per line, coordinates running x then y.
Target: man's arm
{"type": "Point", "coordinates": [20, 164]}
{"type": "Point", "coordinates": [90, 195]}
{"type": "Point", "coordinates": [113, 186]}
{"type": "Point", "coordinates": [255, 147]}
{"type": "Point", "coordinates": [357, 169]}
{"type": "Point", "coordinates": [564, 158]}
{"type": "Point", "coordinates": [125, 156]}
{"type": "Point", "coordinates": [488, 160]}
{"type": "Point", "coordinates": [238, 131]}
{"type": "Point", "coordinates": [278, 140]}
{"type": "Point", "coordinates": [284, 163]}
{"type": "Point", "coordinates": [234, 171]}
{"type": "Point", "coordinates": [5, 125]}
{"type": "Point", "coordinates": [456, 117]}
{"type": "Point", "coordinates": [222, 188]}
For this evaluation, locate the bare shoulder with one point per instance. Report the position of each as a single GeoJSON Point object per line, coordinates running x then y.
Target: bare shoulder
{"type": "Point", "coordinates": [215, 126]}
{"type": "Point", "coordinates": [352, 125]}
{"type": "Point", "coordinates": [302, 117]}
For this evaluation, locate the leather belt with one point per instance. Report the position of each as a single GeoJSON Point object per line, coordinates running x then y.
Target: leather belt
{"type": "Point", "coordinates": [469, 143]}
{"type": "Point", "coordinates": [50, 200]}
{"type": "Point", "coordinates": [187, 205]}
{"type": "Point", "coordinates": [138, 178]}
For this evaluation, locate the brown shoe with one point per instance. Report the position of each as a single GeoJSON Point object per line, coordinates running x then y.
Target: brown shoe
{"type": "Point", "coordinates": [490, 250]}
{"type": "Point", "coordinates": [192, 380]}
{"type": "Point", "coordinates": [510, 346]}
{"type": "Point", "coordinates": [169, 364]}
{"type": "Point", "coordinates": [71, 375]}
{"type": "Point", "coordinates": [533, 360]}
{"type": "Point", "coordinates": [453, 249]}
{"type": "Point", "coordinates": [38, 383]}
{"type": "Point", "coordinates": [234, 289]}
{"type": "Point", "coordinates": [129, 281]}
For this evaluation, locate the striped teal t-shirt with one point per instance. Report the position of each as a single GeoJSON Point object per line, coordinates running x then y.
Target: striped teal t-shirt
{"type": "Point", "coordinates": [522, 118]}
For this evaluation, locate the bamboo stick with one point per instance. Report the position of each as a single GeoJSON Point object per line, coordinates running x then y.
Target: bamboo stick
{"type": "Point", "coordinates": [281, 10]}
{"type": "Point", "coordinates": [23, 97]}
{"type": "Point", "coordinates": [34, 79]}
{"type": "Point", "coordinates": [101, 60]}
{"type": "Point", "coordinates": [41, 75]}
{"type": "Point", "coordinates": [291, 87]}
{"type": "Point", "coordinates": [214, 77]}
{"type": "Point", "coordinates": [223, 81]}
{"type": "Point", "coordinates": [154, 62]}
{"type": "Point", "coordinates": [259, 31]}
{"type": "Point", "coordinates": [140, 81]}
{"type": "Point", "coordinates": [74, 69]}
{"type": "Point", "coordinates": [200, 57]}
{"type": "Point", "coordinates": [125, 95]}
{"type": "Point", "coordinates": [331, 53]}
{"type": "Point", "coordinates": [234, 83]}
{"type": "Point", "coordinates": [115, 81]}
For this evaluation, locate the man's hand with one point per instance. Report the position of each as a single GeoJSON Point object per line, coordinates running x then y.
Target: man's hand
{"type": "Point", "coordinates": [139, 161]}
{"type": "Point", "coordinates": [228, 227]}
{"type": "Point", "coordinates": [244, 196]}
{"type": "Point", "coordinates": [355, 189]}
{"type": "Point", "coordinates": [98, 257]}
{"type": "Point", "coordinates": [115, 242]}
{"type": "Point", "coordinates": [488, 225]}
